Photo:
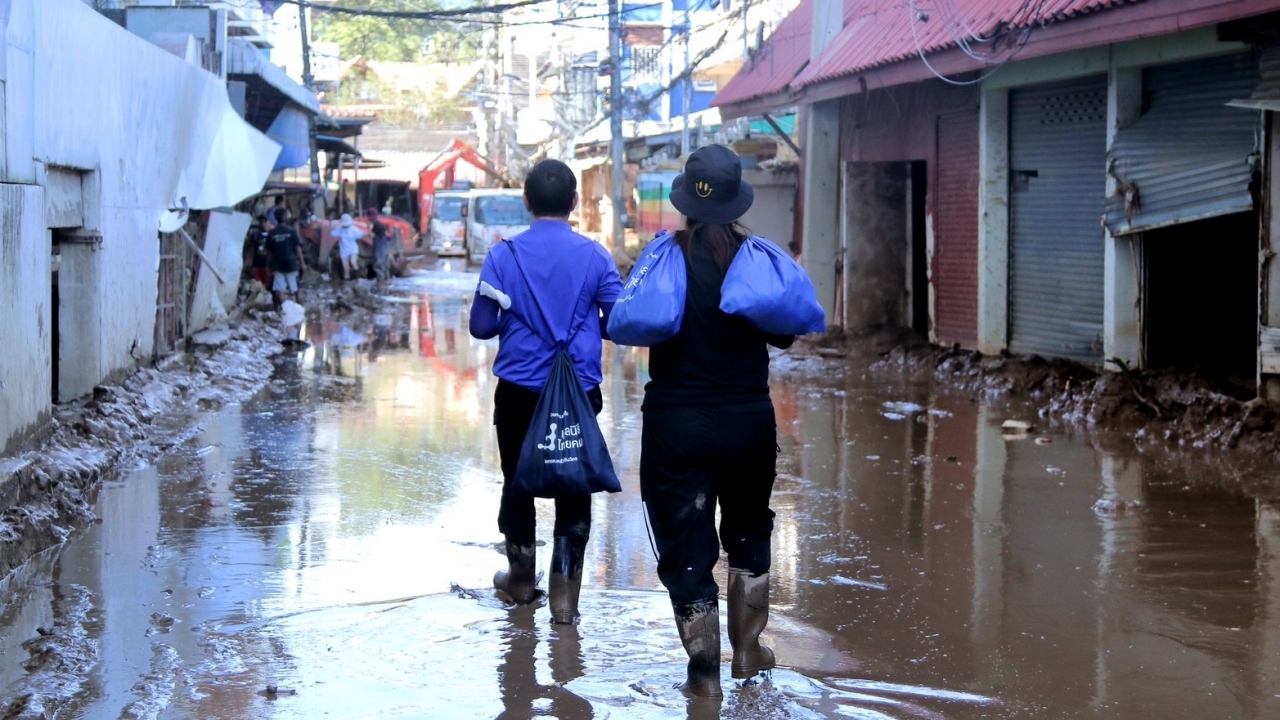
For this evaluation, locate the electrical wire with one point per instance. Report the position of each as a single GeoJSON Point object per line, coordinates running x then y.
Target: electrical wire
{"type": "Point", "coordinates": [1015, 25]}
{"type": "Point", "coordinates": [472, 15]}
{"type": "Point", "coordinates": [442, 14]}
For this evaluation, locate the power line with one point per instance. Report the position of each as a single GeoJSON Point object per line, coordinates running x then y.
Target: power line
{"type": "Point", "coordinates": [412, 14]}
{"type": "Point", "coordinates": [461, 15]}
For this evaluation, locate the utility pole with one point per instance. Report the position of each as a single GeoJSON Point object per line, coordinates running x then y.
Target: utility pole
{"type": "Point", "coordinates": [687, 85]}
{"type": "Point", "coordinates": [615, 123]}
{"type": "Point", "coordinates": [308, 81]}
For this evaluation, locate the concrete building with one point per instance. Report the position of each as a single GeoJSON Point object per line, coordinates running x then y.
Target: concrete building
{"type": "Point", "coordinates": [103, 135]}
{"type": "Point", "coordinates": [1085, 180]}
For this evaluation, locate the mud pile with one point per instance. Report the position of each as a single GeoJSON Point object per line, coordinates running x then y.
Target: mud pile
{"type": "Point", "coordinates": [1157, 407]}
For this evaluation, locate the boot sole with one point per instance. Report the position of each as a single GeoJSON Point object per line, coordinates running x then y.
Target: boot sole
{"type": "Point", "coordinates": [693, 691]}
{"type": "Point", "coordinates": [749, 669]}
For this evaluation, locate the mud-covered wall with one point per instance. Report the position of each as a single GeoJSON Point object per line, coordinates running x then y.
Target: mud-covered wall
{"type": "Point", "coordinates": [82, 96]}
{"type": "Point", "coordinates": [880, 129]}
{"type": "Point", "coordinates": [136, 141]}
{"type": "Point", "coordinates": [25, 295]}
{"type": "Point", "coordinates": [875, 267]}
{"type": "Point", "coordinates": [773, 214]}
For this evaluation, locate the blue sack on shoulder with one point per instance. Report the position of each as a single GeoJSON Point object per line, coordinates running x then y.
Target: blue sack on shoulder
{"type": "Point", "coordinates": [651, 306]}
{"type": "Point", "coordinates": [769, 289]}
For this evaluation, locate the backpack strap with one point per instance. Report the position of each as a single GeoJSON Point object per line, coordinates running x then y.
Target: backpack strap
{"type": "Point", "coordinates": [552, 343]}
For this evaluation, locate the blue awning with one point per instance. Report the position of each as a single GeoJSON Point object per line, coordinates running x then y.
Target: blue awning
{"type": "Point", "coordinates": [291, 129]}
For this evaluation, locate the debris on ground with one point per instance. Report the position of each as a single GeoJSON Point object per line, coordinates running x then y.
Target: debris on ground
{"type": "Point", "coordinates": [1181, 410]}
{"type": "Point", "coordinates": [48, 492]}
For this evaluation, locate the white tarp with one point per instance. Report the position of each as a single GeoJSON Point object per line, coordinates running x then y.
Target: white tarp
{"type": "Point", "coordinates": [223, 245]}
{"type": "Point", "coordinates": [157, 128]}
{"type": "Point", "coordinates": [240, 160]}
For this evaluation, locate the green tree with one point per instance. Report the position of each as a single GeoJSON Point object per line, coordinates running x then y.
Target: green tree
{"type": "Point", "coordinates": [376, 38]}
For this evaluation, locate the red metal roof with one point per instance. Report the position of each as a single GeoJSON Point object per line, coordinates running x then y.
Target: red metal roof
{"type": "Point", "coordinates": [777, 63]}
{"type": "Point", "coordinates": [886, 31]}
{"type": "Point", "coordinates": [879, 32]}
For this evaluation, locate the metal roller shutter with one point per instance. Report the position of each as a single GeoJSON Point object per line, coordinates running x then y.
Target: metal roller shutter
{"type": "Point", "coordinates": [955, 246]}
{"type": "Point", "coordinates": [1057, 150]}
{"type": "Point", "coordinates": [1188, 157]}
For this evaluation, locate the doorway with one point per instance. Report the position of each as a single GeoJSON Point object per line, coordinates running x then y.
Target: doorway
{"type": "Point", "coordinates": [917, 248]}
{"type": "Point", "coordinates": [55, 328]}
{"type": "Point", "coordinates": [1201, 298]}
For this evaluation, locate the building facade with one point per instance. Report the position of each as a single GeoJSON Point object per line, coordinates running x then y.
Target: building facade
{"type": "Point", "coordinates": [104, 133]}
{"type": "Point", "coordinates": [1089, 181]}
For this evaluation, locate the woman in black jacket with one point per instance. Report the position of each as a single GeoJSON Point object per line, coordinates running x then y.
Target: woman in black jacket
{"type": "Point", "coordinates": [709, 436]}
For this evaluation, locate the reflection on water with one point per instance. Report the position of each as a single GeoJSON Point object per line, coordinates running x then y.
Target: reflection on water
{"type": "Point", "coordinates": [336, 536]}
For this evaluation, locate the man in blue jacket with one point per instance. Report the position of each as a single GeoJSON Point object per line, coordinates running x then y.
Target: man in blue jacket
{"type": "Point", "coordinates": [576, 283]}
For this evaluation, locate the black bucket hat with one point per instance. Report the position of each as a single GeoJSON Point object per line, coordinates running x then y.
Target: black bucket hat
{"type": "Point", "coordinates": [711, 189]}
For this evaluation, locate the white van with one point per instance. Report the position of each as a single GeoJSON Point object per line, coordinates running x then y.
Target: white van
{"type": "Point", "coordinates": [493, 216]}
{"type": "Point", "coordinates": [448, 228]}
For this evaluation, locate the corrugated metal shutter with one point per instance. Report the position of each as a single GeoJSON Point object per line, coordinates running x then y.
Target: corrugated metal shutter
{"type": "Point", "coordinates": [955, 245]}
{"type": "Point", "coordinates": [1188, 157]}
{"type": "Point", "coordinates": [1057, 151]}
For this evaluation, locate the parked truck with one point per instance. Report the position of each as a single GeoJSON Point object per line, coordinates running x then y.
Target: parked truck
{"type": "Point", "coordinates": [494, 216]}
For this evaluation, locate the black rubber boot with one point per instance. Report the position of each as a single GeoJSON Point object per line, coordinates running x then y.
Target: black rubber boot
{"type": "Point", "coordinates": [565, 584]}
{"type": "Point", "coordinates": [519, 582]}
{"type": "Point", "coordinates": [699, 626]}
{"type": "Point", "coordinates": [748, 614]}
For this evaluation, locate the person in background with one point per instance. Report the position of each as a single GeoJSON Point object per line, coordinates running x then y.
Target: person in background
{"type": "Point", "coordinates": [257, 251]}
{"type": "Point", "coordinates": [348, 236]}
{"type": "Point", "coordinates": [709, 436]}
{"type": "Point", "coordinates": [381, 245]}
{"type": "Point", "coordinates": [278, 211]}
{"type": "Point", "coordinates": [574, 280]}
{"type": "Point", "coordinates": [284, 248]}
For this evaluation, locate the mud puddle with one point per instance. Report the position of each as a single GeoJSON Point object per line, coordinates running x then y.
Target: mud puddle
{"type": "Point", "coordinates": [325, 550]}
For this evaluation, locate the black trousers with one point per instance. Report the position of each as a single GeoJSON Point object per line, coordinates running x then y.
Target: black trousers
{"type": "Point", "coordinates": [513, 408]}
{"type": "Point", "coordinates": [690, 459]}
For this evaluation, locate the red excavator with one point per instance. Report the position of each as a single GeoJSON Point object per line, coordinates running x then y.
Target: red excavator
{"type": "Point", "coordinates": [396, 197]}
{"type": "Point", "coordinates": [442, 167]}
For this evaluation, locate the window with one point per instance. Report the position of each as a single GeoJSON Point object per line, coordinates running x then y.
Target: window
{"type": "Point", "coordinates": [646, 64]}
{"type": "Point", "coordinates": [449, 207]}
{"type": "Point", "coordinates": [502, 210]}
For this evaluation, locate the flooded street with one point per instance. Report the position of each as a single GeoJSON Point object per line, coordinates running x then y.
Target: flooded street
{"type": "Point", "coordinates": [327, 549]}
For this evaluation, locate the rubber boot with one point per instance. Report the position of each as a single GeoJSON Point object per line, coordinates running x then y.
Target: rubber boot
{"type": "Point", "coordinates": [565, 584]}
{"type": "Point", "coordinates": [699, 626]}
{"type": "Point", "coordinates": [519, 582]}
{"type": "Point", "coordinates": [748, 614]}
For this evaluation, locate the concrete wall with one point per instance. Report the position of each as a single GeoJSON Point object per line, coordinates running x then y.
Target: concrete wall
{"type": "Point", "coordinates": [773, 213]}
{"type": "Point", "coordinates": [82, 96]}
{"type": "Point", "coordinates": [25, 294]}
{"type": "Point", "coordinates": [820, 245]}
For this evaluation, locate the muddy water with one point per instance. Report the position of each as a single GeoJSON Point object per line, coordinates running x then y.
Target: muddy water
{"type": "Point", "coordinates": [333, 541]}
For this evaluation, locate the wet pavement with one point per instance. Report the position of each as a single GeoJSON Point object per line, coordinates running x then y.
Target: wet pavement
{"type": "Point", "coordinates": [326, 550]}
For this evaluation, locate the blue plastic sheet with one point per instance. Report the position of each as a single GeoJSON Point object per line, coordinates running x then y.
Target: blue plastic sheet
{"type": "Point", "coordinates": [651, 306]}
{"type": "Point", "coordinates": [771, 290]}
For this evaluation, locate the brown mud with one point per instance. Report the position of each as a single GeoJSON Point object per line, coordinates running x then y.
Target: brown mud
{"type": "Point", "coordinates": [1177, 411]}
{"type": "Point", "coordinates": [48, 491]}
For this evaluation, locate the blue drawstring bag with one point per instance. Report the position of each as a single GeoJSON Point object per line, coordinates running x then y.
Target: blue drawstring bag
{"type": "Point", "coordinates": [564, 452]}
{"type": "Point", "coordinates": [770, 290]}
{"type": "Point", "coordinates": [651, 306]}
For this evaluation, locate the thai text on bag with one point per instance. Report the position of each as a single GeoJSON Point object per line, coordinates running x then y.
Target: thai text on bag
{"type": "Point", "coordinates": [563, 453]}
